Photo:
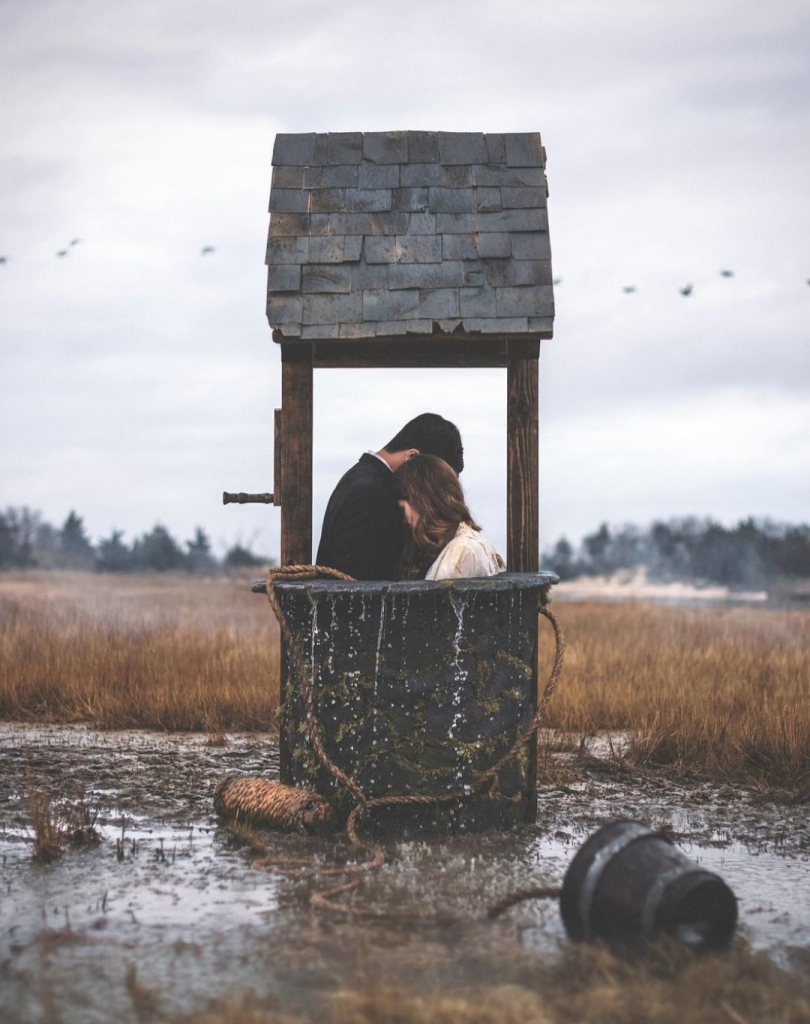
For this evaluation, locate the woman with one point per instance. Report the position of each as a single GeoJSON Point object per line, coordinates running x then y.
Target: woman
{"type": "Point", "coordinates": [445, 538]}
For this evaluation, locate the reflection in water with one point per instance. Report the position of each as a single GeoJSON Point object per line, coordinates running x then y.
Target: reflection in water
{"type": "Point", "coordinates": [187, 908]}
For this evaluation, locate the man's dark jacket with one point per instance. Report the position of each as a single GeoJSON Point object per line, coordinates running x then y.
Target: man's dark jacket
{"type": "Point", "coordinates": [363, 529]}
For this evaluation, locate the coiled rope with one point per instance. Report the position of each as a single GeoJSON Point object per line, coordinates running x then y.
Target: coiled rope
{"type": "Point", "coordinates": [364, 805]}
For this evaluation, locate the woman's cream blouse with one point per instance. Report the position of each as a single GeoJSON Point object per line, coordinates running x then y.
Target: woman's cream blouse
{"type": "Point", "coordinates": [469, 553]}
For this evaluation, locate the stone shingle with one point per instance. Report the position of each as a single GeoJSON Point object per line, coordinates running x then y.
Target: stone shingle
{"type": "Point", "coordinates": [368, 276]}
{"type": "Point", "coordinates": [455, 223]}
{"type": "Point", "coordinates": [327, 200]}
{"type": "Point", "coordinates": [497, 325]}
{"type": "Point", "coordinates": [421, 224]}
{"type": "Point", "coordinates": [284, 277]}
{"type": "Point", "coordinates": [451, 200]}
{"type": "Point", "coordinates": [478, 301]}
{"type": "Point", "coordinates": [344, 148]}
{"type": "Point", "coordinates": [334, 277]}
{"type": "Point", "coordinates": [408, 233]}
{"type": "Point", "coordinates": [326, 250]}
{"type": "Point", "coordinates": [368, 200]}
{"type": "Point", "coordinates": [494, 245]}
{"type": "Point", "coordinates": [359, 330]}
{"type": "Point", "coordinates": [514, 177]}
{"type": "Point", "coordinates": [420, 175]}
{"type": "Point", "coordinates": [289, 224]}
{"type": "Point", "coordinates": [448, 274]}
{"type": "Point", "coordinates": [462, 148]}
{"type": "Point", "coordinates": [288, 177]}
{"type": "Point", "coordinates": [341, 176]}
{"type": "Point", "coordinates": [411, 199]}
{"type": "Point", "coordinates": [294, 149]}
{"type": "Point", "coordinates": [524, 149]}
{"type": "Point", "coordinates": [386, 147]}
{"type": "Point", "coordinates": [350, 308]}
{"type": "Point", "coordinates": [487, 199]}
{"type": "Point", "coordinates": [378, 176]}
{"type": "Point", "coordinates": [380, 250]}
{"type": "Point", "coordinates": [419, 327]}
{"type": "Point", "coordinates": [423, 147]}
{"type": "Point", "coordinates": [507, 273]}
{"type": "Point", "coordinates": [531, 247]}
{"type": "Point", "coordinates": [532, 301]}
{"type": "Point", "coordinates": [523, 198]}
{"type": "Point", "coordinates": [395, 223]}
{"type": "Point", "coordinates": [350, 223]}
{"type": "Point", "coordinates": [313, 177]}
{"type": "Point", "coordinates": [386, 305]}
{"type": "Point", "coordinates": [459, 247]}
{"type": "Point", "coordinates": [287, 250]}
{"type": "Point", "coordinates": [496, 153]}
{"type": "Point", "coordinates": [418, 249]}
{"type": "Point", "coordinates": [283, 309]}
{"type": "Point", "coordinates": [438, 303]}
{"type": "Point", "coordinates": [512, 220]}
{"type": "Point", "coordinates": [320, 331]}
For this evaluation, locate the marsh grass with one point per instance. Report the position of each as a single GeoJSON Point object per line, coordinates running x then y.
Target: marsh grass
{"type": "Point", "coordinates": [157, 652]}
{"type": "Point", "coordinates": [721, 692]}
{"type": "Point", "coordinates": [714, 691]}
{"type": "Point", "coordinates": [583, 983]}
{"type": "Point", "coordinates": [56, 823]}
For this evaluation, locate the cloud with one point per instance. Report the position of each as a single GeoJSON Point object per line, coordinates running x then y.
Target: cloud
{"type": "Point", "coordinates": [139, 379]}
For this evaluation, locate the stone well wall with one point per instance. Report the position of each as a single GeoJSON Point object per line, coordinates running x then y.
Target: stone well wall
{"type": "Point", "coordinates": [418, 686]}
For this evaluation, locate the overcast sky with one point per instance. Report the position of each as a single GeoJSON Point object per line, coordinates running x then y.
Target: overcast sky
{"type": "Point", "coordinates": [139, 378]}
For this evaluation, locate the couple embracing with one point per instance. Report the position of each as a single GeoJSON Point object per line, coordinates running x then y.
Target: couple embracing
{"type": "Point", "coordinates": [400, 513]}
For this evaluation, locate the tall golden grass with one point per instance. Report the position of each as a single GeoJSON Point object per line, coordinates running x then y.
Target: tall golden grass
{"type": "Point", "coordinates": [173, 653]}
{"type": "Point", "coordinates": [722, 691]}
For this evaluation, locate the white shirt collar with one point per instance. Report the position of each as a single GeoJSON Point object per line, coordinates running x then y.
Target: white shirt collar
{"type": "Point", "coordinates": [382, 460]}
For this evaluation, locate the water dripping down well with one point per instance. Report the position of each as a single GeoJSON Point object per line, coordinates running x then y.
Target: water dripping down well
{"type": "Point", "coordinates": [418, 686]}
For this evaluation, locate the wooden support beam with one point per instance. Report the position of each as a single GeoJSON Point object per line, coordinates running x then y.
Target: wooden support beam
{"type": "Point", "coordinates": [296, 455]}
{"type": "Point", "coordinates": [522, 506]}
{"type": "Point", "coordinates": [522, 502]}
{"type": "Point", "coordinates": [294, 463]}
{"type": "Point", "coordinates": [277, 441]}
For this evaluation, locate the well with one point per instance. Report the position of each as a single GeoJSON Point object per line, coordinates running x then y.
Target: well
{"type": "Point", "coordinates": [418, 686]}
{"type": "Point", "coordinates": [411, 249]}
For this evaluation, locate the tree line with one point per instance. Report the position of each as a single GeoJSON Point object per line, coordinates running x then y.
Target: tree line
{"type": "Point", "coordinates": [753, 553]}
{"type": "Point", "coordinates": [27, 541]}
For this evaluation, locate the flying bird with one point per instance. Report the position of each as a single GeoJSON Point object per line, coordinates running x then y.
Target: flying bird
{"type": "Point", "coordinates": [75, 241]}
{"type": "Point", "coordinates": [686, 290]}
{"type": "Point", "coordinates": [727, 273]}
{"type": "Point", "coordinates": [206, 249]}
{"type": "Point", "coordinates": [629, 289]}
{"type": "Point", "coordinates": [556, 280]}
{"type": "Point", "coordinates": [62, 252]}
{"type": "Point", "coordinates": [4, 259]}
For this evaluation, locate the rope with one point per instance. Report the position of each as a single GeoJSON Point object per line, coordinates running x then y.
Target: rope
{"type": "Point", "coordinates": [364, 805]}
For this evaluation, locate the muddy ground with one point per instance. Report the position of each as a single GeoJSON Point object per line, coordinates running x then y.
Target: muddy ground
{"type": "Point", "coordinates": [166, 913]}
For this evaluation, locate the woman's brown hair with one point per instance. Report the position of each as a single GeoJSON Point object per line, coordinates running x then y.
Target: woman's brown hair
{"type": "Point", "coordinates": [433, 490]}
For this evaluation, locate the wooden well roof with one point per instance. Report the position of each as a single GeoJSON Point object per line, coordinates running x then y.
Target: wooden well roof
{"type": "Point", "coordinates": [398, 234]}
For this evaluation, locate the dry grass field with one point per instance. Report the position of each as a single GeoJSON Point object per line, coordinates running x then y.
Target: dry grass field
{"type": "Point", "coordinates": [718, 691]}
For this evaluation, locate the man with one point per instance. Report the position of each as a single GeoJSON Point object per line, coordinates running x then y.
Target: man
{"type": "Point", "coordinates": [363, 531]}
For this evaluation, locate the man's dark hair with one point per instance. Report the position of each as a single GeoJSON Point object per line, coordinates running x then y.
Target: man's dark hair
{"type": "Point", "coordinates": [431, 434]}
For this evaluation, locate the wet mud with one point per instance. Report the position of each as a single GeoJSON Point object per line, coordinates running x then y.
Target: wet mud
{"type": "Point", "coordinates": [166, 913]}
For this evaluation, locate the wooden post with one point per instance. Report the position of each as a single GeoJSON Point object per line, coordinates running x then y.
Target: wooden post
{"type": "Point", "coordinates": [295, 466]}
{"type": "Point", "coordinates": [522, 507]}
{"type": "Point", "coordinates": [522, 483]}
{"type": "Point", "coordinates": [296, 454]}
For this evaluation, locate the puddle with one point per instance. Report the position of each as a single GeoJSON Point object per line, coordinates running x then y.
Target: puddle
{"type": "Point", "coordinates": [184, 907]}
